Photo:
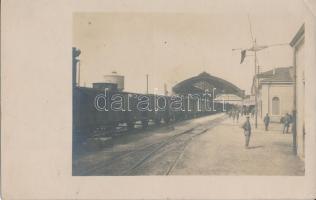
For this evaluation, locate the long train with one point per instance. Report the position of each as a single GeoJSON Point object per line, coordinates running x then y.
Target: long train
{"type": "Point", "coordinates": [87, 115]}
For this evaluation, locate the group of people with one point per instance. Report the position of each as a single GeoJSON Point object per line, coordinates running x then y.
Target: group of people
{"type": "Point", "coordinates": [287, 120]}
{"type": "Point", "coordinates": [234, 114]}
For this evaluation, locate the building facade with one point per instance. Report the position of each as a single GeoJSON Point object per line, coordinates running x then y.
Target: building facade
{"type": "Point", "coordinates": [275, 92]}
{"type": "Point", "coordinates": [298, 44]}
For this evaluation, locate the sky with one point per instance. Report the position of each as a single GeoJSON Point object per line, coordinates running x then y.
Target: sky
{"type": "Point", "coordinates": [174, 46]}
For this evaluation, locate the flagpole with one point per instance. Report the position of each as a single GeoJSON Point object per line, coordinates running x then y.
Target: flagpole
{"type": "Point", "coordinates": [255, 48]}
{"type": "Point", "coordinates": [256, 88]}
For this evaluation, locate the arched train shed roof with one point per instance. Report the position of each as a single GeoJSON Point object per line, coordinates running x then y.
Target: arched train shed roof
{"type": "Point", "coordinates": [204, 81]}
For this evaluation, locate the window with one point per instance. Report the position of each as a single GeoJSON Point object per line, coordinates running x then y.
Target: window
{"type": "Point", "coordinates": [275, 106]}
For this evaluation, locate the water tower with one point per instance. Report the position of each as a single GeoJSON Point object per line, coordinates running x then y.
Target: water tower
{"type": "Point", "coordinates": [115, 78]}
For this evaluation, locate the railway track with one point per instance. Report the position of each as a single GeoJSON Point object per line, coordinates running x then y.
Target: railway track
{"type": "Point", "coordinates": [111, 162]}
{"type": "Point", "coordinates": [132, 162]}
{"type": "Point", "coordinates": [185, 139]}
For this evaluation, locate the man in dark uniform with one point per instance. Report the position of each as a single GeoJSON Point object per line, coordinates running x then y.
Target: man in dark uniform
{"type": "Point", "coordinates": [234, 115]}
{"type": "Point", "coordinates": [287, 121]}
{"type": "Point", "coordinates": [266, 121]}
{"type": "Point", "coordinates": [247, 131]}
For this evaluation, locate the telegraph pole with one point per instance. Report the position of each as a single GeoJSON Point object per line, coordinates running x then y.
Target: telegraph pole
{"type": "Point", "coordinates": [147, 83]}
{"type": "Point", "coordinates": [256, 88]}
{"type": "Point", "coordinates": [255, 48]}
{"type": "Point", "coordinates": [165, 89]}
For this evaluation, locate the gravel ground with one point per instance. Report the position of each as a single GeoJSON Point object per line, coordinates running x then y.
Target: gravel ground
{"type": "Point", "coordinates": [221, 152]}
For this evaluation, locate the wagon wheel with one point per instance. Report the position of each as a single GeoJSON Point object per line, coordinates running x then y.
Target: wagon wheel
{"type": "Point", "coordinates": [166, 119]}
{"type": "Point", "coordinates": [112, 126]}
{"type": "Point", "coordinates": [145, 123]}
{"type": "Point", "coordinates": [158, 120]}
{"type": "Point", "coordinates": [130, 125]}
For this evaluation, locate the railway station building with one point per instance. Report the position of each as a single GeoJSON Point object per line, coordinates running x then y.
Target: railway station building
{"type": "Point", "coordinates": [204, 82]}
{"type": "Point", "coordinates": [275, 92]}
{"type": "Point", "coordinates": [230, 99]}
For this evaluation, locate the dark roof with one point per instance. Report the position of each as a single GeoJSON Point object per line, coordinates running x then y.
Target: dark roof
{"type": "Point", "coordinates": [221, 85]}
{"type": "Point", "coordinates": [282, 74]}
{"type": "Point", "coordinates": [298, 35]}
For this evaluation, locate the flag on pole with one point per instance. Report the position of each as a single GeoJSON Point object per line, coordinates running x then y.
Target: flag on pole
{"type": "Point", "coordinates": [254, 48]}
{"type": "Point", "coordinates": [243, 55]}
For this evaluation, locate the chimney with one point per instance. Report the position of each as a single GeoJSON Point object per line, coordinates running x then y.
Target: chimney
{"type": "Point", "coordinates": [273, 71]}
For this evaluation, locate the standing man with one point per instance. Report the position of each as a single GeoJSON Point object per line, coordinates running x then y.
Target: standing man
{"type": "Point", "coordinates": [247, 131]}
{"type": "Point", "coordinates": [234, 115]}
{"type": "Point", "coordinates": [266, 121]}
{"type": "Point", "coordinates": [252, 113]}
{"type": "Point", "coordinates": [287, 122]}
{"type": "Point", "coordinates": [237, 116]}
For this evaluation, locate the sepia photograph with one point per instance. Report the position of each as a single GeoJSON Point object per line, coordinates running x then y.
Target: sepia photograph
{"type": "Point", "coordinates": [158, 99]}
{"type": "Point", "coordinates": [174, 93]}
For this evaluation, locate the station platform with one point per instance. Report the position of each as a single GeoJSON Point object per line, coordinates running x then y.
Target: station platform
{"type": "Point", "coordinates": [221, 151]}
